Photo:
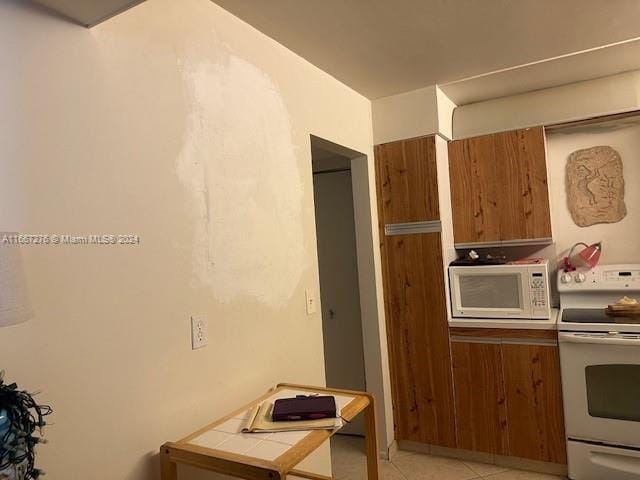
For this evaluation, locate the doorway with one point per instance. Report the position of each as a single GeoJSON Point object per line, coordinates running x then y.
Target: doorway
{"type": "Point", "coordinates": [345, 199]}
{"type": "Point", "coordinates": [338, 267]}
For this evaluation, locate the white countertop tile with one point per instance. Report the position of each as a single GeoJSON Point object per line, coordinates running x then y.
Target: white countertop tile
{"type": "Point", "coordinates": [268, 450]}
{"type": "Point", "coordinates": [211, 439]}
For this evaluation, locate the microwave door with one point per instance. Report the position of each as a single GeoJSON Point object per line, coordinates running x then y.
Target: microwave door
{"type": "Point", "coordinates": [485, 294]}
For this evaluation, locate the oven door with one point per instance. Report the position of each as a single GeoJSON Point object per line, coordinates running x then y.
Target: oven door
{"type": "Point", "coordinates": [601, 387]}
{"type": "Point", "coordinates": [489, 292]}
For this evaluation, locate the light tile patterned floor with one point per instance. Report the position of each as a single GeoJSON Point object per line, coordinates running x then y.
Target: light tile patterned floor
{"type": "Point", "coordinates": [349, 463]}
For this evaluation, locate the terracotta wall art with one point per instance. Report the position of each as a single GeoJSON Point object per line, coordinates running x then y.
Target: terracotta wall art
{"type": "Point", "coordinates": [595, 186]}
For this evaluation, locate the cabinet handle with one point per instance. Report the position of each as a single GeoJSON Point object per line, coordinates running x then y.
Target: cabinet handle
{"type": "Point", "coordinates": [506, 341]}
{"type": "Point", "coordinates": [491, 340]}
{"type": "Point", "coordinates": [432, 226]}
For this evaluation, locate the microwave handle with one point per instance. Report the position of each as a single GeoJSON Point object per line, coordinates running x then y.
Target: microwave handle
{"type": "Point", "coordinates": [598, 339]}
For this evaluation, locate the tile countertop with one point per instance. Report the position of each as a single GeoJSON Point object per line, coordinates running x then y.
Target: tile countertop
{"type": "Point", "coordinates": [527, 324]}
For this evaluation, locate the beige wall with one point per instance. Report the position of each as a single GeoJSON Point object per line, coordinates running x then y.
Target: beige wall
{"type": "Point", "coordinates": [445, 107]}
{"type": "Point", "coordinates": [619, 240]}
{"type": "Point", "coordinates": [412, 114]}
{"type": "Point", "coordinates": [591, 98]}
{"type": "Point", "coordinates": [406, 115]}
{"type": "Point", "coordinates": [177, 122]}
{"type": "Point", "coordinates": [449, 253]}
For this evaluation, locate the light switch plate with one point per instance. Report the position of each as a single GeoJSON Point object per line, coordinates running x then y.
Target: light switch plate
{"type": "Point", "coordinates": [310, 297]}
{"type": "Point", "coordinates": [199, 331]}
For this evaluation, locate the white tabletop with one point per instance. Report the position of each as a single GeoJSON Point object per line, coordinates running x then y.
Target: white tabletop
{"type": "Point", "coordinates": [228, 436]}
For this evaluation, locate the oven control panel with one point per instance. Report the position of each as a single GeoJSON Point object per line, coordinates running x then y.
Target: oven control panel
{"type": "Point", "coordinates": [621, 276]}
{"type": "Point", "coordinates": [600, 278]}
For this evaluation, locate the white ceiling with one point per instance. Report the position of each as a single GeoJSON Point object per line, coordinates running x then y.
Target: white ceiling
{"type": "Point", "coordinates": [88, 12]}
{"type": "Point", "coordinates": [383, 47]}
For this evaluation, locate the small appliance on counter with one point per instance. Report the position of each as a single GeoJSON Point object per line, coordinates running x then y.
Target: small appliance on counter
{"type": "Point", "coordinates": [474, 259]}
{"type": "Point", "coordinates": [516, 290]}
{"type": "Point", "coordinates": [600, 364]}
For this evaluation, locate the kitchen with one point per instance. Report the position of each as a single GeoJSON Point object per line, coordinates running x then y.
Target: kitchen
{"type": "Point", "coordinates": [190, 127]}
{"type": "Point", "coordinates": [517, 363]}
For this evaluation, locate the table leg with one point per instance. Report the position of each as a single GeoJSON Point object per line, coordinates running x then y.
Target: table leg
{"type": "Point", "coordinates": [168, 469]}
{"type": "Point", "coordinates": [371, 440]}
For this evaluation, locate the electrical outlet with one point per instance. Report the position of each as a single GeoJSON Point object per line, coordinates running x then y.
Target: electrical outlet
{"type": "Point", "coordinates": [310, 297]}
{"type": "Point", "coordinates": [199, 331]}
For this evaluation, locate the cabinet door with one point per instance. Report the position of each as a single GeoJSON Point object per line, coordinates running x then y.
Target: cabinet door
{"type": "Point", "coordinates": [418, 341]}
{"type": "Point", "coordinates": [534, 402]}
{"type": "Point", "coordinates": [407, 180]}
{"type": "Point", "coordinates": [474, 190]}
{"type": "Point", "coordinates": [499, 187]}
{"type": "Point", "coordinates": [481, 413]}
{"type": "Point", "coordinates": [413, 276]}
{"type": "Point", "coordinates": [522, 174]}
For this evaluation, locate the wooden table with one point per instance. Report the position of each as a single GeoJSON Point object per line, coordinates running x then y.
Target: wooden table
{"type": "Point", "coordinates": [221, 447]}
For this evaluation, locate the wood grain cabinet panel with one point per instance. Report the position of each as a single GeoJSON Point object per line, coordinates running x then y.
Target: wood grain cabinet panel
{"type": "Point", "coordinates": [414, 292]}
{"type": "Point", "coordinates": [407, 180]}
{"type": "Point", "coordinates": [499, 188]}
{"type": "Point", "coordinates": [508, 394]}
{"type": "Point", "coordinates": [534, 402]}
{"type": "Point", "coordinates": [481, 411]}
{"type": "Point", "coordinates": [474, 196]}
{"type": "Point", "coordinates": [522, 173]}
{"type": "Point", "coordinates": [417, 336]}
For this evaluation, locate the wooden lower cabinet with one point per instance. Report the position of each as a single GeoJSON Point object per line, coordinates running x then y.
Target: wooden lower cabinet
{"type": "Point", "coordinates": [508, 395]}
{"type": "Point", "coordinates": [417, 333]}
{"type": "Point", "coordinates": [481, 413]}
{"type": "Point", "coordinates": [534, 402]}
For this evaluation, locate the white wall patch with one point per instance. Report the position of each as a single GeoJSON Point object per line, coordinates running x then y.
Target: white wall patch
{"type": "Point", "coordinates": [238, 160]}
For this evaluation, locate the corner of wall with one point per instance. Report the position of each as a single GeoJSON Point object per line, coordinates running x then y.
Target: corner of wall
{"type": "Point", "coordinates": [417, 113]}
{"type": "Point", "coordinates": [405, 115]}
{"type": "Point", "coordinates": [444, 111]}
{"type": "Point", "coordinates": [446, 214]}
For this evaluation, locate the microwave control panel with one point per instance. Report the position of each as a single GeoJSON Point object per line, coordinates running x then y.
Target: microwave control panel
{"type": "Point", "coordinates": [539, 287]}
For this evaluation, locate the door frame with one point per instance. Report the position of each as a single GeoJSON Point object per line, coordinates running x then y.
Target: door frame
{"type": "Point", "coordinates": [374, 332]}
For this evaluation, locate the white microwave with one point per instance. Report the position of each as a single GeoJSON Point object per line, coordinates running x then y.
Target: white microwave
{"type": "Point", "coordinates": [519, 291]}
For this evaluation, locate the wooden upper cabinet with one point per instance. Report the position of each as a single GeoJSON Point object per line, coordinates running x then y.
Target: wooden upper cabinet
{"type": "Point", "coordinates": [499, 187]}
{"type": "Point", "coordinates": [474, 190]}
{"type": "Point", "coordinates": [407, 180]}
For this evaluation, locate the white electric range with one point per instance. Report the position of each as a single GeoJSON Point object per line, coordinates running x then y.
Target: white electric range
{"type": "Point", "coordinates": [600, 364]}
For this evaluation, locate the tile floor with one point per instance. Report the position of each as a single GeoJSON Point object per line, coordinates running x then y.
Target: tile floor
{"type": "Point", "coordinates": [349, 463]}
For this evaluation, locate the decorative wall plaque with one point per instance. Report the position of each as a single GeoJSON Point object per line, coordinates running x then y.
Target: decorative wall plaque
{"type": "Point", "coordinates": [595, 186]}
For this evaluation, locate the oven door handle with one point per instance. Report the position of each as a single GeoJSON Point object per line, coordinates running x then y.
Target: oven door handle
{"type": "Point", "coordinates": [617, 339]}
